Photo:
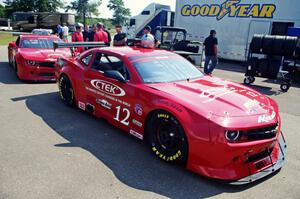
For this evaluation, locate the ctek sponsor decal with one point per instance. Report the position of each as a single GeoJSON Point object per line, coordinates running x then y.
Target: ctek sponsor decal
{"type": "Point", "coordinates": [230, 8]}
{"type": "Point", "coordinates": [107, 87]}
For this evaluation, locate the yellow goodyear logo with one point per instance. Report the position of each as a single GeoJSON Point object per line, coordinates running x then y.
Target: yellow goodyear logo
{"type": "Point", "coordinates": [230, 8]}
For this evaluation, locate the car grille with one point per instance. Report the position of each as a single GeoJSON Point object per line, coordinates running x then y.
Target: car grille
{"type": "Point", "coordinates": [259, 156]}
{"type": "Point", "coordinates": [46, 74]}
{"type": "Point", "coordinates": [261, 133]}
{"type": "Point", "coordinates": [47, 64]}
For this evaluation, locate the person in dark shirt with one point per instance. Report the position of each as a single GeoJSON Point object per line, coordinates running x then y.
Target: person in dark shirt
{"type": "Point", "coordinates": [108, 35]}
{"type": "Point", "coordinates": [85, 33]}
{"type": "Point", "coordinates": [211, 52]}
{"type": "Point", "coordinates": [120, 38]}
{"type": "Point", "coordinates": [92, 33]}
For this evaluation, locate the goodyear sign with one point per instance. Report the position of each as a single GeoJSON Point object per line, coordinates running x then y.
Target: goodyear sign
{"type": "Point", "coordinates": [230, 8]}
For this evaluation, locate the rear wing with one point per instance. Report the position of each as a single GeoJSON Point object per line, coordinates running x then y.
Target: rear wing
{"type": "Point", "coordinates": [73, 45]}
{"type": "Point", "coordinates": [16, 34]}
{"type": "Point", "coordinates": [57, 45]}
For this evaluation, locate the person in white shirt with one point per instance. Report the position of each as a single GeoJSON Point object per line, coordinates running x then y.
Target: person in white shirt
{"type": "Point", "coordinates": [148, 40]}
{"type": "Point", "coordinates": [66, 32]}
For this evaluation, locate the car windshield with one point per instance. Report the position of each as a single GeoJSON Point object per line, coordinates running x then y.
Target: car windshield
{"type": "Point", "coordinates": [158, 69]}
{"type": "Point", "coordinates": [46, 43]}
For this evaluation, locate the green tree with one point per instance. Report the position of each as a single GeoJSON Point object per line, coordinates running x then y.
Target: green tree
{"type": "Point", "coordinates": [85, 8]}
{"type": "Point", "coordinates": [121, 14]}
{"type": "Point", "coordinates": [29, 5]}
{"type": "Point", "coordinates": [2, 11]}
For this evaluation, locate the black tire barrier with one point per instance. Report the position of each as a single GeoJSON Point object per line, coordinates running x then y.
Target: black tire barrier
{"type": "Point", "coordinates": [274, 45]}
{"type": "Point", "coordinates": [267, 46]}
{"type": "Point", "coordinates": [289, 46]}
{"type": "Point", "coordinates": [256, 43]}
{"type": "Point", "coordinates": [278, 44]}
{"type": "Point", "coordinates": [263, 66]}
{"type": "Point", "coordinates": [273, 69]}
{"type": "Point", "coordinates": [252, 66]}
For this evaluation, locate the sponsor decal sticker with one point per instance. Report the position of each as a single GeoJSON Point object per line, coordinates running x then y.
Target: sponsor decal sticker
{"type": "Point", "coordinates": [81, 105]}
{"type": "Point", "coordinates": [163, 116]}
{"type": "Point", "coordinates": [104, 103]}
{"type": "Point", "coordinates": [137, 123]}
{"type": "Point", "coordinates": [265, 118]}
{"type": "Point", "coordinates": [138, 109]}
{"type": "Point", "coordinates": [136, 134]}
{"type": "Point", "coordinates": [107, 87]}
{"type": "Point", "coordinates": [166, 158]}
{"type": "Point", "coordinates": [230, 8]}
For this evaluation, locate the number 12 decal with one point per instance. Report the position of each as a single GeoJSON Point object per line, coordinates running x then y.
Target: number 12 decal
{"type": "Point", "coordinates": [124, 121]}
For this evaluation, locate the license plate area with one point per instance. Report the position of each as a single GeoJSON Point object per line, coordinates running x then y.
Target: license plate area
{"type": "Point", "coordinates": [261, 164]}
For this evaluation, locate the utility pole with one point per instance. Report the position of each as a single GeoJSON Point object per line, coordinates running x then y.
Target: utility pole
{"type": "Point", "coordinates": [85, 4]}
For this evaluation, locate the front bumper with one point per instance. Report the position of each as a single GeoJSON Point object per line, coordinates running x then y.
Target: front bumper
{"type": "Point", "coordinates": [273, 168]}
{"type": "Point", "coordinates": [36, 73]}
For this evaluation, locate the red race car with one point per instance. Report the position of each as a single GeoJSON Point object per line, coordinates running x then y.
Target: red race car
{"type": "Point", "coordinates": [33, 57]}
{"type": "Point", "coordinates": [217, 128]}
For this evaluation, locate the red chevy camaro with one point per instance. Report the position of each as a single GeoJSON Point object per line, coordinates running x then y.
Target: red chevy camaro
{"type": "Point", "coordinates": [217, 128]}
{"type": "Point", "coordinates": [33, 57]}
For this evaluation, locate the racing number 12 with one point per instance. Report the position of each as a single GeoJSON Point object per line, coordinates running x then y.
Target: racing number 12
{"type": "Point", "coordinates": [124, 121]}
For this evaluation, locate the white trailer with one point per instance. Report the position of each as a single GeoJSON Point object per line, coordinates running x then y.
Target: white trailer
{"type": "Point", "coordinates": [153, 15]}
{"type": "Point", "coordinates": [236, 21]}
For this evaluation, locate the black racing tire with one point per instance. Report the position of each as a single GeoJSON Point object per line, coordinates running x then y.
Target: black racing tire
{"type": "Point", "coordinates": [256, 43]}
{"type": "Point", "coordinates": [267, 46]}
{"type": "Point", "coordinates": [289, 46]}
{"type": "Point", "coordinates": [166, 138]}
{"type": "Point", "coordinates": [15, 67]}
{"type": "Point", "coordinates": [252, 66]}
{"type": "Point", "coordinates": [263, 66]}
{"type": "Point", "coordinates": [273, 68]}
{"type": "Point", "coordinates": [278, 45]}
{"type": "Point", "coordinates": [252, 79]}
{"type": "Point", "coordinates": [247, 81]}
{"type": "Point", "coordinates": [66, 91]}
{"type": "Point", "coordinates": [285, 86]}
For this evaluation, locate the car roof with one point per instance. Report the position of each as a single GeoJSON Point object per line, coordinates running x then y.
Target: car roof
{"type": "Point", "coordinates": [135, 51]}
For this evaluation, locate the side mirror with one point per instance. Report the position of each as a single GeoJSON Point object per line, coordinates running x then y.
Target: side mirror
{"type": "Point", "coordinates": [114, 74]}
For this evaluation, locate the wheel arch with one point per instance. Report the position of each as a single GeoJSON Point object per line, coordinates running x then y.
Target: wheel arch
{"type": "Point", "coordinates": [180, 113]}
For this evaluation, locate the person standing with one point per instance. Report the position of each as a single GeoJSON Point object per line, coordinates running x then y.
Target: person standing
{"type": "Point", "coordinates": [211, 52]}
{"type": "Point", "coordinates": [59, 31]}
{"type": "Point", "coordinates": [92, 33]}
{"type": "Point", "coordinates": [108, 35]}
{"type": "Point", "coordinates": [148, 40]}
{"type": "Point", "coordinates": [85, 33]}
{"type": "Point", "coordinates": [120, 38]}
{"type": "Point", "coordinates": [100, 36]}
{"type": "Point", "coordinates": [66, 32]}
{"type": "Point", "coordinates": [78, 37]}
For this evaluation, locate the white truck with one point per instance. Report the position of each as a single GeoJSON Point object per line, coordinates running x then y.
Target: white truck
{"type": "Point", "coordinates": [236, 21]}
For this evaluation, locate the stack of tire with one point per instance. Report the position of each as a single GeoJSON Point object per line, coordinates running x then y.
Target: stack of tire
{"type": "Point", "coordinates": [275, 47]}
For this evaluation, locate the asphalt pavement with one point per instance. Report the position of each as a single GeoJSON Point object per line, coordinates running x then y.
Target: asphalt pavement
{"type": "Point", "coordinates": [48, 150]}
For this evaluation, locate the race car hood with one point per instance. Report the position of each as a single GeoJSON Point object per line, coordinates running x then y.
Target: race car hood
{"type": "Point", "coordinates": [43, 54]}
{"type": "Point", "coordinates": [211, 95]}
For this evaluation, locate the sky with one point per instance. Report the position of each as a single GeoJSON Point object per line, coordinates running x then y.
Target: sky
{"type": "Point", "coordinates": [136, 6]}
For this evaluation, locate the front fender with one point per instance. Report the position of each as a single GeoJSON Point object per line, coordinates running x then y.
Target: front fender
{"type": "Point", "coordinates": [195, 126]}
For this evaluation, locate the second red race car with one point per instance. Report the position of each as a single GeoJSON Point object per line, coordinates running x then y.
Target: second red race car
{"type": "Point", "coordinates": [217, 128]}
{"type": "Point", "coordinates": [33, 57]}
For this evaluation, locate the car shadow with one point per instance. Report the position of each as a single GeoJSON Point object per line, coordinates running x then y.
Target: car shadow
{"type": "Point", "coordinates": [130, 159]}
{"type": "Point", "coordinates": [8, 76]}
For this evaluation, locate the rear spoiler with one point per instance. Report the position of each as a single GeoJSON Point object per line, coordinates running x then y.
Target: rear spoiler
{"type": "Point", "coordinates": [57, 45]}
{"type": "Point", "coordinates": [16, 34]}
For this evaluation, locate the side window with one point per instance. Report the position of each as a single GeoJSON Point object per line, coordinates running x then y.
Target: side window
{"type": "Point", "coordinates": [87, 59]}
{"type": "Point", "coordinates": [104, 62]}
